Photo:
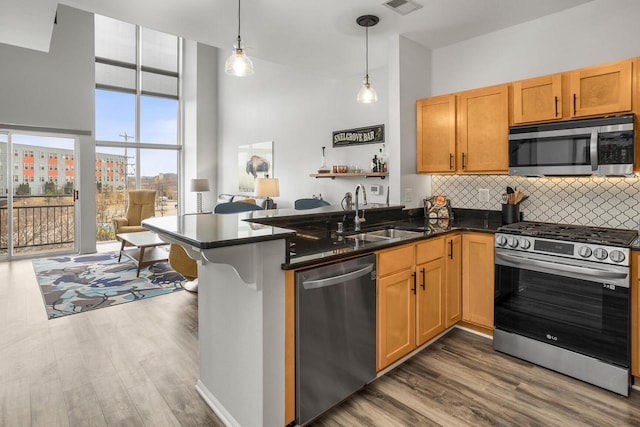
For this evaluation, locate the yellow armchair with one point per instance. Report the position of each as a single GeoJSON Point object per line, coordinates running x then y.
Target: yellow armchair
{"type": "Point", "coordinates": [142, 205]}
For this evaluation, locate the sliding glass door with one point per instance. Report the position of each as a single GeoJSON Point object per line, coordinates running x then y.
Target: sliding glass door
{"type": "Point", "coordinates": [38, 203]}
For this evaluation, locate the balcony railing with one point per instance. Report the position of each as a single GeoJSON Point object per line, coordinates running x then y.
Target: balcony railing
{"type": "Point", "coordinates": [37, 226]}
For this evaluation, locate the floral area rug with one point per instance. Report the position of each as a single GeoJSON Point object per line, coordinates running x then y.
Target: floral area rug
{"type": "Point", "coordinates": [74, 284]}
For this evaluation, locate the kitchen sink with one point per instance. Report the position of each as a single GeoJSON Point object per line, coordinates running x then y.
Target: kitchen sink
{"type": "Point", "coordinates": [394, 233]}
{"type": "Point", "coordinates": [367, 237]}
{"type": "Point", "coordinates": [384, 235]}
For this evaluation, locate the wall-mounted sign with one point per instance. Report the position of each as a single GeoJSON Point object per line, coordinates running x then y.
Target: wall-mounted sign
{"type": "Point", "coordinates": [367, 135]}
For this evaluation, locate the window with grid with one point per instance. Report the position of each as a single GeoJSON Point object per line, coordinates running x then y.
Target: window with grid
{"type": "Point", "coordinates": [137, 105]}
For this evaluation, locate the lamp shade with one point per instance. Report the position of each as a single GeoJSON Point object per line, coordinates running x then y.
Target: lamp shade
{"type": "Point", "coordinates": [200, 184]}
{"type": "Point", "coordinates": [267, 187]}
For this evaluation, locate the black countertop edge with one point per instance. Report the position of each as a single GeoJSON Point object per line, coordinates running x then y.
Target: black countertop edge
{"type": "Point", "coordinates": [247, 240]}
{"type": "Point", "coordinates": [175, 236]}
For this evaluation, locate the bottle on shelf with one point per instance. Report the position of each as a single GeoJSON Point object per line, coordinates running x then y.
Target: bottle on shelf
{"type": "Point", "coordinates": [374, 163]}
{"type": "Point", "coordinates": [383, 160]}
{"type": "Point", "coordinates": [323, 166]}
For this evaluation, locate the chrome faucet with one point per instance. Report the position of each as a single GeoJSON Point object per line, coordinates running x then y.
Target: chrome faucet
{"type": "Point", "coordinates": [357, 220]}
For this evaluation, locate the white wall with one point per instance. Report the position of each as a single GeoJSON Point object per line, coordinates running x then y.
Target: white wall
{"type": "Point", "coordinates": [298, 112]}
{"type": "Point", "coordinates": [199, 120]}
{"type": "Point", "coordinates": [56, 90]}
{"type": "Point", "coordinates": [409, 77]}
{"type": "Point", "coordinates": [594, 33]}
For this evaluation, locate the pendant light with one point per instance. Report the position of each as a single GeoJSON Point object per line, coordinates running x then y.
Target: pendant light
{"type": "Point", "coordinates": [238, 64]}
{"type": "Point", "coordinates": [367, 94]}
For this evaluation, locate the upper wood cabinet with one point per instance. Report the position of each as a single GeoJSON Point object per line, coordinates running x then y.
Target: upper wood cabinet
{"type": "Point", "coordinates": [436, 134]}
{"type": "Point", "coordinates": [483, 127]}
{"type": "Point", "coordinates": [538, 99]}
{"type": "Point", "coordinates": [603, 89]}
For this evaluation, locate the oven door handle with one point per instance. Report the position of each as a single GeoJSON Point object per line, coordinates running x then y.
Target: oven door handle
{"type": "Point", "coordinates": [588, 273]}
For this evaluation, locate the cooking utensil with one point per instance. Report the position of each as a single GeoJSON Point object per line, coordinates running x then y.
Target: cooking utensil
{"type": "Point", "coordinates": [505, 198]}
{"type": "Point", "coordinates": [510, 190]}
{"type": "Point", "coordinates": [519, 196]}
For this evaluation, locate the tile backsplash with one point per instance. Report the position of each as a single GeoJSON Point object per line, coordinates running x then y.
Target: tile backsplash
{"type": "Point", "coordinates": [593, 201]}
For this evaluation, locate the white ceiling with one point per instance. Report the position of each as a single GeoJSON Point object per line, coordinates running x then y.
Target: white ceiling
{"type": "Point", "coordinates": [318, 36]}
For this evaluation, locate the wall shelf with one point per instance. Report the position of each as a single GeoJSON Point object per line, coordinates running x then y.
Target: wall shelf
{"type": "Point", "coordinates": [332, 175]}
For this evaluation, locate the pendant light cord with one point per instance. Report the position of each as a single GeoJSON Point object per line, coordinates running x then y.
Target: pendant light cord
{"type": "Point", "coordinates": [239, 40]}
{"type": "Point", "coordinates": [366, 55]}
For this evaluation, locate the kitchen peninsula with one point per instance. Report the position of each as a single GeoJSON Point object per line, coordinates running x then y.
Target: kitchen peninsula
{"type": "Point", "coordinates": [240, 312]}
{"type": "Point", "coordinates": [244, 260]}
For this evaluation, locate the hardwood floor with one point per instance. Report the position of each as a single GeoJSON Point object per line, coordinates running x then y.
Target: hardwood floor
{"type": "Point", "coordinates": [132, 364]}
{"type": "Point", "coordinates": [136, 364]}
{"type": "Point", "coordinates": [461, 381]}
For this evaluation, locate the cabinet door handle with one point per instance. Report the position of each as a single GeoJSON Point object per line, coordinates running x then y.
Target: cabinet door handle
{"type": "Point", "coordinates": [462, 160]}
{"type": "Point", "coordinates": [413, 289]}
{"type": "Point", "coordinates": [451, 249]}
{"type": "Point", "coordinates": [422, 270]}
{"type": "Point", "coordinates": [450, 161]}
{"type": "Point", "coordinates": [574, 104]}
{"type": "Point", "coordinates": [556, 105]}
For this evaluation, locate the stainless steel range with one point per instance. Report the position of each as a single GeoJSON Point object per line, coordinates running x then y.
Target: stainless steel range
{"type": "Point", "coordinates": [562, 299]}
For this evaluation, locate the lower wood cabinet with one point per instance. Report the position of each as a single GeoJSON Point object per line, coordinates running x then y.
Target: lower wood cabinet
{"type": "Point", "coordinates": [430, 280]}
{"type": "Point", "coordinates": [477, 279]}
{"type": "Point", "coordinates": [453, 281]}
{"type": "Point", "coordinates": [411, 298]}
{"type": "Point", "coordinates": [396, 318]}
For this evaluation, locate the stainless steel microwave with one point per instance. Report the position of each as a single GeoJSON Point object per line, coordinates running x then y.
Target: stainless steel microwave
{"type": "Point", "coordinates": [602, 146]}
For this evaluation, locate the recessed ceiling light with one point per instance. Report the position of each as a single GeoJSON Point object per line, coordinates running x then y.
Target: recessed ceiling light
{"type": "Point", "coordinates": [403, 7]}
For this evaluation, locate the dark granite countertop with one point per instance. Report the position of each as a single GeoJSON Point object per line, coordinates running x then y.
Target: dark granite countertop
{"type": "Point", "coordinates": [323, 243]}
{"type": "Point", "coordinates": [206, 231]}
{"type": "Point", "coordinates": [313, 233]}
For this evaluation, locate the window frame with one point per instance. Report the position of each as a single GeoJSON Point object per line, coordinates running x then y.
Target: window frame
{"type": "Point", "coordinates": [135, 144]}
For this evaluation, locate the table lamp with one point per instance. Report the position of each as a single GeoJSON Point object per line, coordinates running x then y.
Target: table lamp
{"type": "Point", "coordinates": [199, 185]}
{"type": "Point", "coordinates": [267, 187]}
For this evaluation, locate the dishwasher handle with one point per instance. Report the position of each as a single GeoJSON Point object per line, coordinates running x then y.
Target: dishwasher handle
{"type": "Point", "coordinates": [336, 280]}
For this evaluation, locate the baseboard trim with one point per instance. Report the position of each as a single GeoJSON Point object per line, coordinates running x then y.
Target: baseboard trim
{"type": "Point", "coordinates": [475, 329]}
{"type": "Point", "coordinates": [216, 406]}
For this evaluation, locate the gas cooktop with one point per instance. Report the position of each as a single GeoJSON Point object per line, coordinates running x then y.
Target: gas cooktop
{"type": "Point", "coordinates": [573, 233]}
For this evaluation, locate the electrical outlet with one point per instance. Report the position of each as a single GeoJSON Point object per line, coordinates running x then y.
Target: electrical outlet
{"type": "Point", "coordinates": [407, 195]}
{"type": "Point", "coordinates": [376, 190]}
{"type": "Point", "coordinates": [483, 195]}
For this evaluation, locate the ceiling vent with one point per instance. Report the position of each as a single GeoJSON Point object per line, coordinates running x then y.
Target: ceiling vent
{"type": "Point", "coordinates": [403, 7]}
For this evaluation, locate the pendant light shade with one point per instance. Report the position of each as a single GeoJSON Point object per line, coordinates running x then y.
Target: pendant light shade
{"type": "Point", "coordinates": [367, 94]}
{"type": "Point", "coordinates": [238, 64]}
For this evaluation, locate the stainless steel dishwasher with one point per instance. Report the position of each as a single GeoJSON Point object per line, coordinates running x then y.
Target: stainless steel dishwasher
{"type": "Point", "coordinates": [335, 333]}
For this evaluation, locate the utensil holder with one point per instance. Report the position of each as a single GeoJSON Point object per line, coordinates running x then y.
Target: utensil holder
{"type": "Point", "coordinates": [510, 213]}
